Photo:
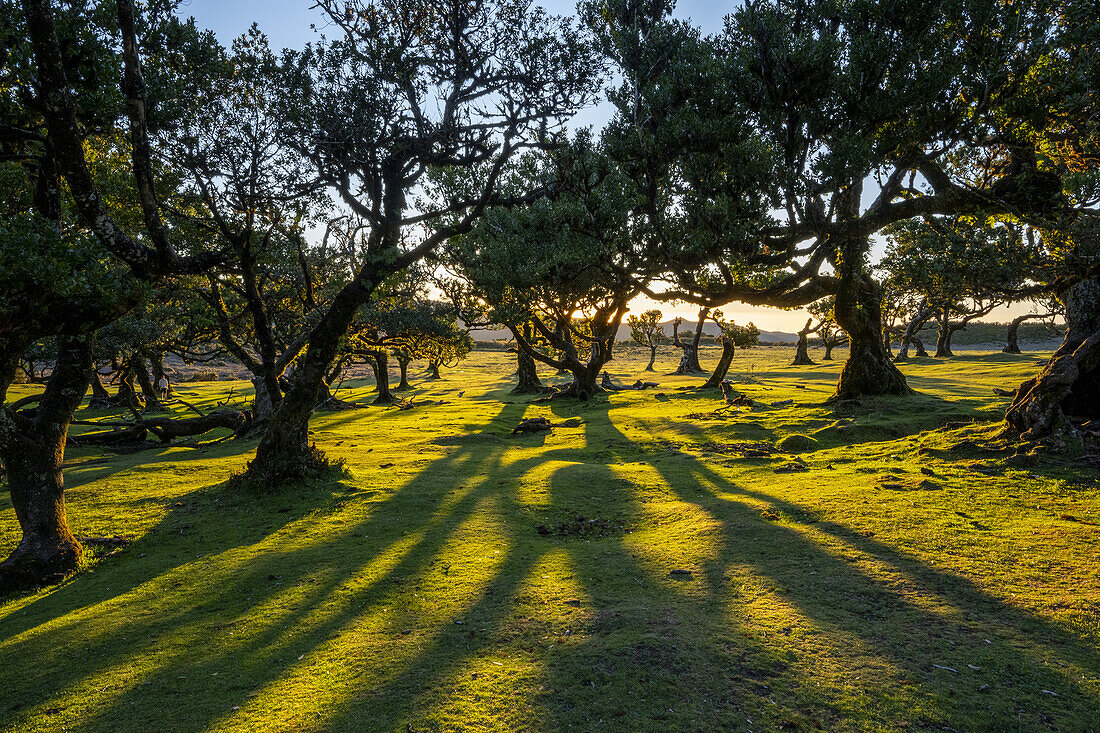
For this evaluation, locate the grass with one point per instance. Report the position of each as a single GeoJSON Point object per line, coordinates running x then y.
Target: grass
{"type": "Point", "coordinates": [461, 579]}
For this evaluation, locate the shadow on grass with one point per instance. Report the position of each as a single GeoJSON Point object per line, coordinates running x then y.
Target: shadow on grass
{"type": "Point", "coordinates": [341, 612]}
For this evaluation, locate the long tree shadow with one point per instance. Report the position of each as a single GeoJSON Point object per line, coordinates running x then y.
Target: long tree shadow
{"type": "Point", "coordinates": [617, 630]}
{"type": "Point", "coordinates": [372, 614]}
{"type": "Point", "coordinates": [860, 605]}
{"type": "Point", "coordinates": [276, 592]}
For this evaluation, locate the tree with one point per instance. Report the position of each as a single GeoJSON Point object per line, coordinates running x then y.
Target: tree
{"type": "Point", "coordinates": [802, 353]}
{"type": "Point", "coordinates": [568, 266]}
{"type": "Point", "coordinates": [822, 98]}
{"type": "Point", "coordinates": [73, 283]}
{"type": "Point", "coordinates": [1065, 393]}
{"type": "Point", "coordinates": [645, 330]}
{"type": "Point", "coordinates": [447, 351]}
{"type": "Point", "coordinates": [731, 337]}
{"type": "Point", "coordinates": [961, 268]}
{"type": "Point", "coordinates": [831, 334]}
{"type": "Point", "coordinates": [407, 88]}
{"type": "Point", "coordinates": [914, 317]}
{"type": "Point", "coordinates": [247, 189]}
{"type": "Point", "coordinates": [410, 327]}
{"type": "Point", "coordinates": [1050, 309]}
{"type": "Point", "coordinates": [689, 359]}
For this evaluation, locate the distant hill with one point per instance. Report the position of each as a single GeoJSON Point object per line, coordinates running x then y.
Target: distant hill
{"type": "Point", "coordinates": [709, 329]}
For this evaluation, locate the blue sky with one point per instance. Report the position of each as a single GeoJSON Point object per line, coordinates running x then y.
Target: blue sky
{"type": "Point", "coordinates": [287, 24]}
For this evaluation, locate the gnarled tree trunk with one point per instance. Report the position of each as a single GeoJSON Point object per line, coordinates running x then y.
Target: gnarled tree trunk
{"type": "Point", "coordinates": [909, 337]}
{"type": "Point", "coordinates": [689, 360]}
{"type": "Point", "coordinates": [380, 365]}
{"type": "Point", "coordinates": [943, 338]}
{"type": "Point", "coordinates": [869, 369]}
{"type": "Point", "coordinates": [156, 369]}
{"type": "Point", "coordinates": [148, 391]}
{"type": "Point", "coordinates": [527, 375]}
{"type": "Point", "coordinates": [723, 366]}
{"type": "Point", "coordinates": [127, 394]}
{"type": "Point", "coordinates": [1012, 345]}
{"type": "Point", "coordinates": [33, 449]}
{"type": "Point", "coordinates": [652, 357]}
{"type": "Point", "coordinates": [284, 453]}
{"type": "Point", "coordinates": [1067, 390]}
{"type": "Point", "coordinates": [830, 343]}
{"type": "Point", "coordinates": [262, 404]}
{"type": "Point", "coordinates": [403, 365]}
{"type": "Point", "coordinates": [433, 370]}
{"type": "Point", "coordinates": [802, 351]}
{"type": "Point", "coordinates": [100, 396]}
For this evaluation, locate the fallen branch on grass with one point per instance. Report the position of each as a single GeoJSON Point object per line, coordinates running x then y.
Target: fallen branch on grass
{"type": "Point", "coordinates": [166, 429]}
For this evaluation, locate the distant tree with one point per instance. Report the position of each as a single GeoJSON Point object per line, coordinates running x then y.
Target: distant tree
{"type": "Point", "coordinates": [689, 359]}
{"type": "Point", "coordinates": [802, 348]}
{"type": "Point", "coordinates": [961, 267]}
{"type": "Point", "coordinates": [568, 266]}
{"type": "Point", "coordinates": [914, 316]}
{"type": "Point", "coordinates": [645, 329]}
{"type": "Point", "coordinates": [831, 334]}
{"type": "Point", "coordinates": [431, 332]}
{"type": "Point", "coordinates": [1050, 309]}
{"type": "Point", "coordinates": [446, 352]}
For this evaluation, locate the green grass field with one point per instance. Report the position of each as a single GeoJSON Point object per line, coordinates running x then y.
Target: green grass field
{"type": "Point", "coordinates": [462, 579]}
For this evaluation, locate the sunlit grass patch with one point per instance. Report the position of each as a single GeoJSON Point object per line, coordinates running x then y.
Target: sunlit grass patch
{"type": "Point", "coordinates": [902, 576]}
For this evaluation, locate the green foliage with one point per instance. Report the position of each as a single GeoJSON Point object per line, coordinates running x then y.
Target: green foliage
{"type": "Point", "coordinates": [645, 329]}
{"type": "Point", "coordinates": [948, 261]}
{"type": "Point", "coordinates": [741, 337]}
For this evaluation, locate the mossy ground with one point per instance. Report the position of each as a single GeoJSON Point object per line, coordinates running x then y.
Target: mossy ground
{"type": "Point", "coordinates": [419, 593]}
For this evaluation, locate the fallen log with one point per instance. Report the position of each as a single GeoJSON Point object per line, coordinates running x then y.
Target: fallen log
{"type": "Point", "coordinates": [606, 383]}
{"type": "Point", "coordinates": [167, 429]}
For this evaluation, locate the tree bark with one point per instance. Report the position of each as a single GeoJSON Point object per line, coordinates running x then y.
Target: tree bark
{"type": "Point", "coordinates": [869, 369]}
{"type": "Point", "coordinates": [585, 380]}
{"type": "Point", "coordinates": [284, 453]}
{"type": "Point", "coordinates": [156, 369]}
{"type": "Point", "coordinates": [262, 403]}
{"type": "Point", "coordinates": [528, 381]}
{"type": "Point", "coordinates": [167, 429]}
{"type": "Point", "coordinates": [148, 391]}
{"type": "Point", "coordinates": [689, 361]}
{"type": "Point", "coordinates": [403, 366]}
{"type": "Point", "coordinates": [433, 370]}
{"type": "Point", "coordinates": [381, 367]}
{"type": "Point", "coordinates": [33, 450]}
{"type": "Point", "coordinates": [909, 337]}
{"type": "Point", "coordinates": [943, 339]}
{"type": "Point", "coordinates": [802, 351]}
{"type": "Point", "coordinates": [1067, 390]}
{"type": "Point", "coordinates": [1013, 345]}
{"type": "Point", "coordinates": [652, 357]}
{"type": "Point", "coordinates": [100, 396]}
{"type": "Point", "coordinates": [723, 366]}
{"type": "Point", "coordinates": [127, 394]}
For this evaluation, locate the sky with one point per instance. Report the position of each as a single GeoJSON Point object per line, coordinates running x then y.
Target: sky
{"type": "Point", "coordinates": [287, 24]}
